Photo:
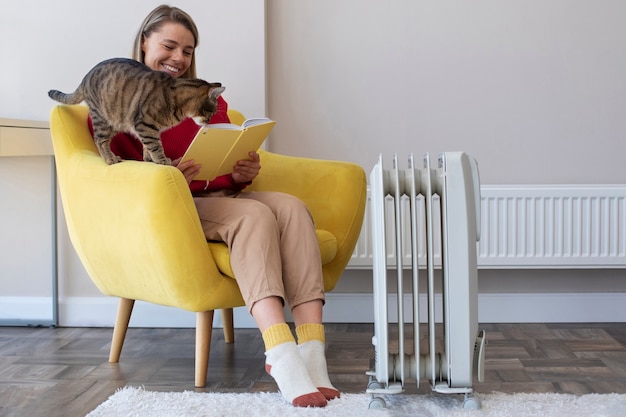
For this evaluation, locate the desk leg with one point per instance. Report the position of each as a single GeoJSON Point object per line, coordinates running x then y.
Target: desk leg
{"type": "Point", "coordinates": [55, 242]}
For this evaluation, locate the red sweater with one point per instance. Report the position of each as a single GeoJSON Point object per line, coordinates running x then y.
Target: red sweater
{"type": "Point", "coordinates": [175, 141]}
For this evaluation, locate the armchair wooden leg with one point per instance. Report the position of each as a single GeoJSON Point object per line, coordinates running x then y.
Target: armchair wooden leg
{"type": "Point", "coordinates": [204, 328]}
{"type": "Point", "coordinates": [124, 310]}
{"type": "Point", "coordinates": [229, 326]}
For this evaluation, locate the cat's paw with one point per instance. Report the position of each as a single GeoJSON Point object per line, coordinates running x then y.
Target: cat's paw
{"type": "Point", "coordinates": [113, 160]}
{"type": "Point", "coordinates": [164, 161]}
{"type": "Point", "coordinates": [159, 159]}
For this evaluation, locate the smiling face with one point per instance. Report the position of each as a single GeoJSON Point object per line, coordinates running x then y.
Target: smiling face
{"type": "Point", "coordinates": [169, 49]}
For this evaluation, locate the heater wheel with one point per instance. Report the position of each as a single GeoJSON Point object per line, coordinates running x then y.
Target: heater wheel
{"type": "Point", "coordinates": [471, 403]}
{"type": "Point", "coordinates": [377, 403]}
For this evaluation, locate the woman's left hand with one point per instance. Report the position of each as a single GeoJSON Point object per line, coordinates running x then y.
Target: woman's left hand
{"type": "Point", "coordinates": [247, 169]}
{"type": "Point", "coordinates": [189, 168]}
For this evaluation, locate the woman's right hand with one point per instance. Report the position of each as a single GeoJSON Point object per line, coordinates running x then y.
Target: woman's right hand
{"type": "Point", "coordinates": [189, 168]}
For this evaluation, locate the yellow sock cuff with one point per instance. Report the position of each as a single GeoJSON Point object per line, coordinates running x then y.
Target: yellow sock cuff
{"type": "Point", "coordinates": [277, 334]}
{"type": "Point", "coordinates": [310, 331]}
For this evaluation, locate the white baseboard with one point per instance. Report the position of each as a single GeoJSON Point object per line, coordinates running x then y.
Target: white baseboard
{"type": "Point", "coordinates": [26, 310]}
{"type": "Point", "coordinates": [493, 308]}
{"type": "Point", "coordinates": [340, 308]}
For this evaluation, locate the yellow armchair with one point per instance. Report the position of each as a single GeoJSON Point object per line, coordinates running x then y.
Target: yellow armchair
{"type": "Point", "coordinates": [136, 230]}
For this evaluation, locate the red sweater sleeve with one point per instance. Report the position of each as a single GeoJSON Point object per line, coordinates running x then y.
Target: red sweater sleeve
{"type": "Point", "coordinates": [175, 142]}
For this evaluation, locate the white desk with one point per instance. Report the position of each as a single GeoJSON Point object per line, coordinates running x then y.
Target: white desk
{"type": "Point", "coordinates": [26, 150]}
{"type": "Point", "coordinates": [25, 138]}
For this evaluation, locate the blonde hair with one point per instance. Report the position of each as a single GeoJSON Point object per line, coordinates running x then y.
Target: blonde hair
{"type": "Point", "coordinates": [153, 22]}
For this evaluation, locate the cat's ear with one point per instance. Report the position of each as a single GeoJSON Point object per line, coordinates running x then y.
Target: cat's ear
{"type": "Point", "coordinates": [214, 93]}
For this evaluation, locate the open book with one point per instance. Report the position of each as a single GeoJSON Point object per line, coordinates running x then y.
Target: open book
{"type": "Point", "coordinates": [218, 147]}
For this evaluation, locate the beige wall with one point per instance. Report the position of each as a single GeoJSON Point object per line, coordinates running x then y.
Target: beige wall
{"type": "Point", "coordinates": [534, 90]}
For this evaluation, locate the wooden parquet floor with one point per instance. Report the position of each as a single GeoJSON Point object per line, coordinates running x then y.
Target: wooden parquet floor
{"type": "Point", "coordinates": [64, 371]}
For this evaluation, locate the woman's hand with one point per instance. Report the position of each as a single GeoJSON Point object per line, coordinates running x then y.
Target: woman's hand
{"type": "Point", "coordinates": [189, 168]}
{"type": "Point", "coordinates": [247, 169]}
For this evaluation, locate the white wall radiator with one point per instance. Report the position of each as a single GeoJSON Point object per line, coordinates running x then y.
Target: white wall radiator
{"type": "Point", "coordinates": [413, 191]}
{"type": "Point", "coordinates": [530, 226]}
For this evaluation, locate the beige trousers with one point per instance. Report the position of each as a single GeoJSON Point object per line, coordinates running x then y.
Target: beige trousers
{"type": "Point", "coordinates": [273, 246]}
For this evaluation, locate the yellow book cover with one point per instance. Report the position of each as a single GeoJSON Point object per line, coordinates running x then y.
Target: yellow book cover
{"type": "Point", "coordinates": [218, 147]}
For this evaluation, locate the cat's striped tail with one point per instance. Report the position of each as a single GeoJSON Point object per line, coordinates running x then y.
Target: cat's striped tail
{"type": "Point", "coordinates": [73, 98]}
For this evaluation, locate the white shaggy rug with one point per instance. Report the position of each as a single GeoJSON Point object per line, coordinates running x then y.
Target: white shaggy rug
{"type": "Point", "coordinates": [136, 402]}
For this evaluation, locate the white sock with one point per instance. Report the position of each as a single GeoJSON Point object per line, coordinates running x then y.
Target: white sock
{"type": "Point", "coordinates": [314, 357]}
{"type": "Point", "coordinates": [285, 365]}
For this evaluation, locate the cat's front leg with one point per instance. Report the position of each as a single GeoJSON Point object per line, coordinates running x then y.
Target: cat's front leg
{"type": "Point", "coordinates": [157, 156]}
{"type": "Point", "coordinates": [146, 155]}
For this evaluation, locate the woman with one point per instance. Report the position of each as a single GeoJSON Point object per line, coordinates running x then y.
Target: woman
{"type": "Point", "coordinates": [271, 237]}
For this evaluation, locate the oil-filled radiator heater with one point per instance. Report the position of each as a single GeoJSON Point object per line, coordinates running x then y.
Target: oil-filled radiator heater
{"type": "Point", "coordinates": [452, 191]}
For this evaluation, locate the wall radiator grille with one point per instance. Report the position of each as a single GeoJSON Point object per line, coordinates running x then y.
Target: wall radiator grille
{"type": "Point", "coordinates": [531, 226]}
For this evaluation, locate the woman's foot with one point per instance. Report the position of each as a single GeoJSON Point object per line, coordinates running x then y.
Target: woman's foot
{"type": "Point", "coordinates": [285, 365]}
{"type": "Point", "coordinates": [311, 344]}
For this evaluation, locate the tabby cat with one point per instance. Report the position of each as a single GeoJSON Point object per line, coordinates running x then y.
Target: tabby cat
{"type": "Point", "coordinates": [124, 95]}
